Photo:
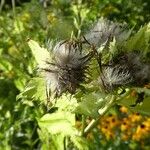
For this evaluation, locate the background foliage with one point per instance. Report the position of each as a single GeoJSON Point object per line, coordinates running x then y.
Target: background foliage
{"type": "Point", "coordinates": [23, 113]}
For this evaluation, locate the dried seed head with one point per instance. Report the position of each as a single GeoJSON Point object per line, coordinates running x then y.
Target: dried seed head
{"type": "Point", "coordinates": [104, 30]}
{"type": "Point", "coordinates": [140, 70]}
{"type": "Point", "coordinates": [115, 76]}
{"type": "Point", "coordinates": [125, 69]}
{"type": "Point", "coordinates": [68, 68]}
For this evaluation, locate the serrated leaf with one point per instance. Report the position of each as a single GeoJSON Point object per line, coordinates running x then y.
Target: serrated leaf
{"type": "Point", "coordinates": [66, 102]}
{"type": "Point", "coordinates": [143, 106]}
{"type": "Point", "coordinates": [80, 142]}
{"type": "Point", "coordinates": [52, 142]}
{"type": "Point", "coordinates": [35, 89]}
{"type": "Point", "coordinates": [90, 104]}
{"type": "Point", "coordinates": [59, 122]}
{"type": "Point", "coordinates": [140, 40]}
{"type": "Point", "coordinates": [41, 54]}
{"type": "Point", "coordinates": [18, 27]}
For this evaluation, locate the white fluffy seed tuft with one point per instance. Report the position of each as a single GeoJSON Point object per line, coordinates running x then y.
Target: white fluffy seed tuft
{"type": "Point", "coordinates": [105, 30]}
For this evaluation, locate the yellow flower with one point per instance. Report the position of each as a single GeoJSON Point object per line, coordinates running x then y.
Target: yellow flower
{"type": "Point", "coordinates": [141, 132]}
{"type": "Point", "coordinates": [125, 137]}
{"type": "Point", "coordinates": [124, 109]}
{"type": "Point", "coordinates": [135, 117]}
{"type": "Point", "coordinates": [126, 124]}
{"type": "Point", "coordinates": [107, 132]}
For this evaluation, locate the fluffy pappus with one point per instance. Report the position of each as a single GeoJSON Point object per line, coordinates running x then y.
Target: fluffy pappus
{"type": "Point", "coordinates": [68, 68]}
{"type": "Point", "coordinates": [115, 76]}
{"type": "Point", "coordinates": [125, 69]}
{"type": "Point", "coordinates": [140, 69]}
{"type": "Point", "coordinates": [104, 30]}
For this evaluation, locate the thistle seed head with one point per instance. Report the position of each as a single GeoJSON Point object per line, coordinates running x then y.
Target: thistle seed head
{"type": "Point", "coordinates": [125, 69]}
{"type": "Point", "coordinates": [68, 68]}
{"type": "Point", "coordinates": [104, 30]}
{"type": "Point", "coordinates": [140, 70]}
{"type": "Point", "coordinates": [115, 76]}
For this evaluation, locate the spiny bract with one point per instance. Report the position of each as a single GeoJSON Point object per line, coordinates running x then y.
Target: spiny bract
{"type": "Point", "coordinates": [68, 68]}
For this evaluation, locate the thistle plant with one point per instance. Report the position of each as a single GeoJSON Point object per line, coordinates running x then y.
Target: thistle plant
{"type": "Point", "coordinates": [119, 65]}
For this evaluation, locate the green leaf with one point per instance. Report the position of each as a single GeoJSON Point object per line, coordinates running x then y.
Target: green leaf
{"type": "Point", "coordinates": [35, 89]}
{"type": "Point", "coordinates": [59, 122]}
{"type": "Point", "coordinates": [52, 142]}
{"type": "Point", "coordinates": [5, 64]}
{"type": "Point", "coordinates": [18, 27]}
{"type": "Point", "coordinates": [143, 107]}
{"type": "Point", "coordinates": [66, 102]}
{"type": "Point", "coordinates": [80, 142]}
{"type": "Point", "coordinates": [140, 40]}
{"type": "Point", "coordinates": [90, 104]}
{"type": "Point", "coordinates": [41, 54]}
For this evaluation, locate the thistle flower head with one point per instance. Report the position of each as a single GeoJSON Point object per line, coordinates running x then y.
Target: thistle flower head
{"type": "Point", "coordinates": [115, 76]}
{"type": "Point", "coordinates": [125, 69]}
{"type": "Point", "coordinates": [68, 68]}
{"type": "Point", "coordinates": [104, 30]}
{"type": "Point", "coordinates": [68, 52]}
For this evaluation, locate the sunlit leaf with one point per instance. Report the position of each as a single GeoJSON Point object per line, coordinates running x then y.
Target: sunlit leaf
{"type": "Point", "coordinates": [60, 122]}
{"type": "Point", "coordinates": [41, 54]}
{"type": "Point", "coordinates": [80, 142]}
{"type": "Point", "coordinates": [66, 102]}
{"type": "Point", "coordinates": [5, 64]}
{"type": "Point", "coordinates": [52, 142]}
{"type": "Point", "coordinates": [35, 89]}
{"type": "Point", "coordinates": [18, 26]}
{"type": "Point", "coordinates": [90, 104]}
{"type": "Point", "coordinates": [140, 40]}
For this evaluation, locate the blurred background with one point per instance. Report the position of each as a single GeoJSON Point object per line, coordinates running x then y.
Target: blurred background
{"type": "Point", "coordinates": [42, 20]}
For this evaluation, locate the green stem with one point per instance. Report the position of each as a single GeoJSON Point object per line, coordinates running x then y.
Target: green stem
{"type": "Point", "coordinates": [94, 122]}
{"type": "Point", "coordinates": [83, 124]}
{"type": "Point", "coordinates": [13, 7]}
{"type": "Point", "coordinates": [65, 143]}
{"type": "Point", "coordinates": [1, 5]}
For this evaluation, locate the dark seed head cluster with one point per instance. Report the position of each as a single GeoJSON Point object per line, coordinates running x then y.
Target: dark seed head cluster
{"type": "Point", "coordinates": [70, 63]}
